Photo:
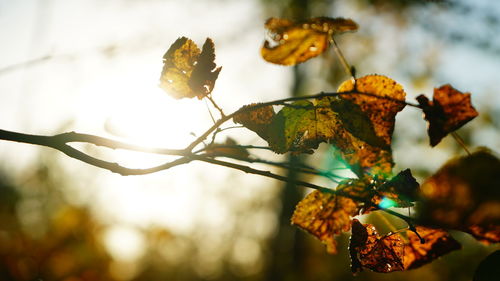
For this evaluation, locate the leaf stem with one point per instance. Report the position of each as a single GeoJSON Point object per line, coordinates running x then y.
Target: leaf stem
{"type": "Point", "coordinates": [342, 59]}
{"type": "Point", "coordinates": [460, 141]}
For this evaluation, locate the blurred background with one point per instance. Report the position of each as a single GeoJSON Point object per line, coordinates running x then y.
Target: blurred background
{"type": "Point", "coordinates": [93, 66]}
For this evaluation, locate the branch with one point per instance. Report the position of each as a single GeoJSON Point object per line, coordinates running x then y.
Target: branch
{"type": "Point", "coordinates": [226, 118]}
{"type": "Point", "coordinates": [70, 137]}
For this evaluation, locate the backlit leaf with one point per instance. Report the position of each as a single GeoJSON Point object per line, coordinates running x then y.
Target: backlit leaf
{"type": "Point", "coordinates": [403, 189]}
{"type": "Point", "coordinates": [229, 148]}
{"type": "Point", "coordinates": [396, 251]}
{"type": "Point", "coordinates": [464, 194]}
{"type": "Point", "coordinates": [449, 110]}
{"type": "Point", "coordinates": [359, 123]}
{"type": "Point", "coordinates": [257, 120]}
{"type": "Point", "coordinates": [325, 215]}
{"type": "Point", "coordinates": [370, 250]}
{"type": "Point", "coordinates": [292, 43]}
{"type": "Point", "coordinates": [187, 71]}
{"type": "Point", "coordinates": [380, 98]}
{"type": "Point", "coordinates": [437, 243]}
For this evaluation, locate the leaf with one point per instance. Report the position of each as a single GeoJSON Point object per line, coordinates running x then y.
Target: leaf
{"type": "Point", "coordinates": [257, 120]}
{"type": "Point", "coordinates": [392, 252]}
{"type": "Point", "coordinates": [187, 72]}
{"type": "Point", "coordinates": [292, 43]}
{"type": "Point", "coordinates": [229, 149]}
{"type": "Point", "coordinates": [437, 243]}
{"type": "Point", "coordinates": [380, 254]}
{"type": "Point", "coordinates": [488, 269]}
{"type": "Point", "coordinates": [449, 110]}
{"type": "Point", "coordinates": [325, 215]}
{"type": "Point", "coordinates": [359, 124]}
{"type": "Point", "coordinates": [464, 194]}
{"type": "Point", "coordinates": [402, 190]}
{"type": "Point", "coordinates": [380, 98]}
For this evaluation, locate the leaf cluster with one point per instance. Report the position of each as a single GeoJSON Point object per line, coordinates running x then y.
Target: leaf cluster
{"type": "Point", "coordinates": [358, 120]}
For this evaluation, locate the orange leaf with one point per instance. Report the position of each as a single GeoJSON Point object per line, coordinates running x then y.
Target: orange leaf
{"type": "Point", "coordinates": [437, 243]}
{"type": "Point", "coordinates": [368, 249]}
{"type": "Point", "coordinates": [392, 252]}
{"type": "Point", "coordinates": [257, 120]}
{"type": "Point", "coordinates": [380, 98]}
{"type": "Point", "coordinates": [292, 43]}
{"type": "Point", "coordinates": [187, 72]}
{"type": "Point", "coordinates": [449, 110]}
{"type": "Point", "coordinates": [325, 215]}
{"type": "Point", "coordinates": [465, 195]}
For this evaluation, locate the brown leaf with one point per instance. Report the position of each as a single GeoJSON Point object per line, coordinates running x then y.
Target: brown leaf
{"type": "Point", "coordinates": [403, 189]}
{"type": "Point", "coordinates": [257, 120]}
{"type": "Point", "coordinates": [464, 194]}
{"type": "Point", "coordinates": [437, 243]}
{"type": "Point", "coordinates": [187, 72]}
{"type": "Point", "coordinates": [393, 252]}
{"type": "Point", "coordinates": [230, 149]}
{"type": "Point", "coordinates": [370, 250]}
{"type": "Point", "coordinates": [292, 43]}
{"type": "Point", "coordinates": [325, 215]}
{"type": "Point", "coordinates": [449, 110]}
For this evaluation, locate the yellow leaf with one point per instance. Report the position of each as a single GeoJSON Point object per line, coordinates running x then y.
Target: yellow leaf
{"type": "Point", "coordinates": [292, 43]}
{"type": "Point", "coordinates": [187, 71]}
{"type": "Point", "coordinates": [325, 215]}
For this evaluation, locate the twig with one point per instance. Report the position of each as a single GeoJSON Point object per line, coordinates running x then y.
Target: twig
{"type": "Point", "coordinates": [209, 97]}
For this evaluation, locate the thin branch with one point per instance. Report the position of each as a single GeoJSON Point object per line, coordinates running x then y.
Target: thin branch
{"type": "Point", "coordinates": [209, 97]}
{"type": "Point", "coordinates": [254, 171]}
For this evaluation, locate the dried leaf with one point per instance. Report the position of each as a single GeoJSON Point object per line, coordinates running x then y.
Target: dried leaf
{"type": "Point", "coordinates": [369, 250]}
{"type": "Point", "coordinates": [449, 110]}
{"type": "Point", "coordinates": [257, 120]}
{"type": "Point", "coordinates": [402, 190]}
{"type": "Point", "coordinates": [230, 149]}
{"type": "Point", "coordinates": [359, 124]}
{"type": "Point", "coordinates": [437, 243]}
{"type": "Point", "coordinates": [392, 252]}
{"type": "Point", "coordinates": [292, 43]}
{"type": "Point", "coordinates": [465, 195]}
{"type": "Point", "coordinates": [380, 98]}
{"type": "Point", "coordinates": [187, 72]}
{"type": "Point", "coordinates": [325, 215]}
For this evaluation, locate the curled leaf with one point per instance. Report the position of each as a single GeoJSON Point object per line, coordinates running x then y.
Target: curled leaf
{"type": "Point", "coordinates": [449, 110]}
{"type": "Point", "coordinates": [464, 194]}
{"type": "Point", "coordinates": [325, 215]}
{"type": "Point", "coordinates": [396, 251]}
{"type": "Point", "coordinates": [292, 43]}
{"type": "Point", "coordinates": [187, 71]}
{"type": "Point", "coordinates": [368, 249]}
